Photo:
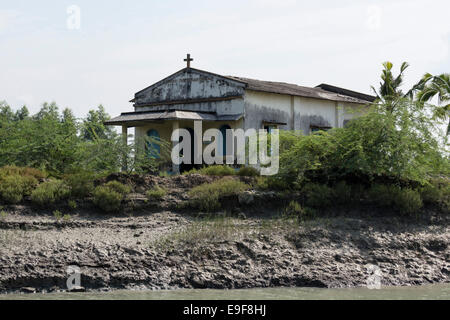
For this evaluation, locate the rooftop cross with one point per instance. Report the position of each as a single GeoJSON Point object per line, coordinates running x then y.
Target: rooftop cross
{"type": "Point", "coordinates": [188, 60]}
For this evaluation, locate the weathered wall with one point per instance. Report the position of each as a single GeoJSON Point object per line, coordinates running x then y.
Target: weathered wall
{"type": "Point", "coordinates": [224, 107]}
{"type": "Point", "coordinates": [262, 106]}
{"type": "Point", "coordinates": [298, 113]}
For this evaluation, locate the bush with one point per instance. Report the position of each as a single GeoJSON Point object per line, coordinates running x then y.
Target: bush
{"type": "Point", "coordinates": [294, 209]}
{"type": "Point", "coordinates": [110, 196]}
{"type": "Point", "coordinates": [343, 193]}
{"type": "Point", "coordinates": [81, 184]}
{"type": "Point", "coordinates": [50, 192]}
{"type": "Point", "coordinates": [14, 187]}
{"type": "Point", "coordinates": [437, 192]}
{"type": "Point", "coordinates": [406, 200]}
{"type": "Point", "coordinates": [206, 196]}
{"type": "Point", "coordinates": [383, 195]}
{"type": "Point", "coordinates": [216, 170]}
{"type": "Point", "coordinates": [318, 195]}
{"type": "Point", "coordinates": [118, 187]}
{"type": "Point", "coordinates": [248, 172]}
{"type": "Point", "coordinates": [22, 171]}
{"type": "Point", "coordinates": [156, 193]}
{"type": "Point", "coordinates": [107, 199]}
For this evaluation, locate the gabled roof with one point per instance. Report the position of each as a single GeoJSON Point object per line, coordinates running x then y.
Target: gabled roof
{"type": "Point", "coordinates": [296, 90]}
{"type": "Point", "coordinates": [189, 70]}
{"type": "Point", "coordinates": [322, 91]}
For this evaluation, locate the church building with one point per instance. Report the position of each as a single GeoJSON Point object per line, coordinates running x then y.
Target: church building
{"type": "Point", "coordinates": [229, 102]}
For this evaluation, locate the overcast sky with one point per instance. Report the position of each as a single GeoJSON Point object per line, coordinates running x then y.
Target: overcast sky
{"type": "Point", "coordinates": [121, 47]}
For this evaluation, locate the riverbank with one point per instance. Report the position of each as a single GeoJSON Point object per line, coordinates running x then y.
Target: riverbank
{"type": "Point", "coordinates": [171, 250]}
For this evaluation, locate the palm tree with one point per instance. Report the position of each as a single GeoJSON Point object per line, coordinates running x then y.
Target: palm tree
{"type": "Point", "coordinates": [439, 86]}
{"type": "Point", "coordinates": [389, 90]}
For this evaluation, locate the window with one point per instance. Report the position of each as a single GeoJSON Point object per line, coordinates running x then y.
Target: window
{"type": "Point", "coordinates": [153, 145]}
{"type": "Point", "coordinates": [224, 143]}
{"type": "Point", "coordinates": [315, 129]}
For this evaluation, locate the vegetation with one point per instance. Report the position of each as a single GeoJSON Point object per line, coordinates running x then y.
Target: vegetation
{"type": "Point", "coordinates": [394, 156]}
{"type": "Point", "coordinates": [206, 196]}
{"type": "Point", "coordinates": [109, 196]}
{"type": "Point", "coordinates": [50, 192]}
{"type": "Point", "coordinates": [156, 193]}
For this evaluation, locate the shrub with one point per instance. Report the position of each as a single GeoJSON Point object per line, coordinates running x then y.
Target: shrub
{"type": "Point", "coordinates": [248, 172]}
{"type": "Point", "coordinates": [318, 195]}
{"type": "Point", "coordinates": [118, 187]}
{"type": "Point", "coordinates": [58, 215]}
{"type": "Point", "coordinates": [294, 209]}
{"type": "Point", "coordinates": [72, 204]}
{"type": "Point", "coordinates": [81, 184]}
{"type": "Point", "coordinates": [107, 199]}
{"type": "Point", "coordinates": [156, 193]}
{"type": "Point", "coordinates": [22, 171]}
{"type": "Point", "coordinates": [343, 193]}
{"type": "Point", "coordinates": [216, 170]}
{"type": "Point", "coordinates": [408, 201]}
{"type": "Point", "coordinates": [207, 196]}
{"type": "Point", "coordinates": [14, 187]}
{"type": "Point", "coordinates": [50, 192]}
{"type": "Point", "coordinates": [383, 195]}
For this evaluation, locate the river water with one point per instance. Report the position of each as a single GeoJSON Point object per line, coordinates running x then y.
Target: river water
{"type": "Point", "coordinates": [438, 292]}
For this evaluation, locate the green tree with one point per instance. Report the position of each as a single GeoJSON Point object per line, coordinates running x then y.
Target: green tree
{"type": "Point", "coordinates": [389, 90]}
{"type": "Point", "coordinates": [93, 126]}
{"type": "Point", "coordinates": [437, 86]}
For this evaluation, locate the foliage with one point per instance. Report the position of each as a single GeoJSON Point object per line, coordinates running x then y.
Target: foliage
{"type": "Point", "coordinates": [107, 199]}
{"type": "Point", "coordinates": [81, 184]}
{"type": "Point", "coordinates": [293, 208]}
{"type": "Point", "coordinates": [50, 192]}
{"type": "Point", "coordinates": [405, 200]}
{"type": "Point", "coordinates": [60, 144]}
{"type": "Point", "coordinates": [206, 196]}
{"type": "Point", "coordinates": [58, 215]}
{"type": "Point", "coordinates": [436, 86]}
{"type": "Point", "coordinates": [118, 187]}
{"type": "Point", "coordinates": [318, 195]}
{"type": "Point", "coordinates": [214, 170]}
{"type": "Point", "coordinates": [389, 91]}
{"type": "Point", "coordinates": [156, 192]}
{"type": "Point", "coordinates": [13, 170]}
{"type": "Point", "coordinates": [14, 187]}
{"type": "Point", "coordinates": [109, 196]}
{"type": "Point", "coordinates": [248, 172]}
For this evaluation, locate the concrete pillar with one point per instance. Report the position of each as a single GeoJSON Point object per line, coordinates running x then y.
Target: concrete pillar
{"type": "Point", "coordinates": [125, 142]}
{"type": "Point", "coordinates": [125, 134]}
{"type": "Point", "coordinates": [175, 140]}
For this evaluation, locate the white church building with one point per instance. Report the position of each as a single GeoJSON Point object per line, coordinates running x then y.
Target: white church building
{"type": "Point", "coordinates": [229, 102]}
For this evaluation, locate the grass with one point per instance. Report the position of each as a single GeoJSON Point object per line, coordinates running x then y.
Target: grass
{"type": "Point", "coordinates": [50, 192]}
{"type": "Point", "coordinates": [215, 170]}
{"type": "Point", "coordinates": [156, 193]}
{"type": "Point", "coordinates": [207, 196]}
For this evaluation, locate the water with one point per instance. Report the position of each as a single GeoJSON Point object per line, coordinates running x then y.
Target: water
{"type": "Point", "coordinates": [435, 292]}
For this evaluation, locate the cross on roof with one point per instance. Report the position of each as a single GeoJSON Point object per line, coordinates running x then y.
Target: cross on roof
{"type": "Point", "coordinates": [188, 60]}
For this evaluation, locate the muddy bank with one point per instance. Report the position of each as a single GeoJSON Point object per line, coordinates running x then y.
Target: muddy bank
{"type": "Point", "coordinates": [168, 250]}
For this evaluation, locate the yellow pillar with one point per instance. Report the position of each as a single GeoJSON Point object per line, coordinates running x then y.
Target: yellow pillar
{"type": "Point", "coordinates": [125, 142]}
{"type": "Point", "coordinates": [175, 140]}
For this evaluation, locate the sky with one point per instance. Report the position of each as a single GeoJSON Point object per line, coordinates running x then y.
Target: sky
{"type": "Point", "coordinates": [84, 53]}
